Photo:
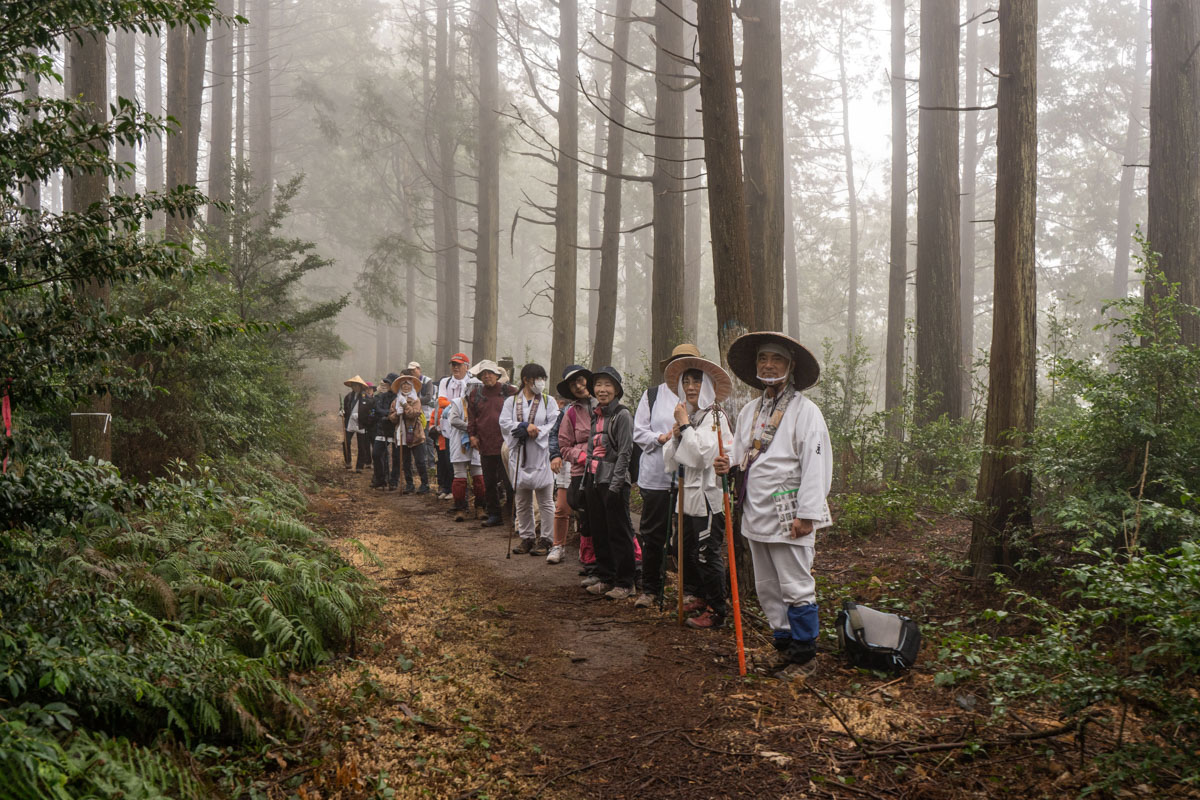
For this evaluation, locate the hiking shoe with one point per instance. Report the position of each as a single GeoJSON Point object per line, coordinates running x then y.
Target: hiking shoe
{"type": "Point", "coordinates": [540, 547]}
{"type": "Point", "coordinates": [644, 601]}
{"type": "Point", "coordinates": [358, 471]}
{"type": "Point", "coordinates": [460, 515]}
{"type": "Point", "coordinates": [409, 488]}
{"type": "Point", "coordinates": [480, 512]}
{"type": "Point", "coordinates": [619, 593]}
{"type": "Point", "coordinates": [793, 671]}
{"type": "Point", "coordinates": [392, 488]}
{"type": "Point", "coordinates": [491, 522]}
{"type": "Point", "coordinates": [708, 621]}
{"type": "Point", "coordinates": [524, 547]}
{"type": "Point", "coordinates": [556, 554]}
{"type": "Point", "coordinates": [691, 604]}
{"type": "Point", "coordinates": [599, 587]}
{"type": "Point", "coordinates": [423, 490]}
{"type": "Point", "coordinates": [588, 581]}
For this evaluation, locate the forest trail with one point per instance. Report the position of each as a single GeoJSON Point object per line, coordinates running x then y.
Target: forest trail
{"type": "Point", "coordinates": [491, 677]}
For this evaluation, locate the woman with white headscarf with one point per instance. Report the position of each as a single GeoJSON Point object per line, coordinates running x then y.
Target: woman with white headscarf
{"type": "Point", "coordinates": [701, 428]}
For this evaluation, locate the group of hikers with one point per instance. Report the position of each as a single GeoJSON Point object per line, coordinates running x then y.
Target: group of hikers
{"type": "Point", "coordinates": [574, 454]}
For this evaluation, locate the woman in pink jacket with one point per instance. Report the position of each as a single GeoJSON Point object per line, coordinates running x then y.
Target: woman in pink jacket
{"type": "Point", "coordinates": [568, 451]}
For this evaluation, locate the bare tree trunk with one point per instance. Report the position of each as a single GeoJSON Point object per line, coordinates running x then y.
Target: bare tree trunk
{"type": "Point", "coordinates": [177, 108]}
{"type": "Point", "coordinates": [614, 162]}
{"type": "Point", "coordinates": [939, 363]}
{"type": "Point", "coordinates": [596, 195]}
{"type": "Point", "coordinates": [1005, 485]}
{"type": "Point", "coordinates": [262, 155]}
{"type": "Point", "coordinates": [852, 200]}
{"type": "Point", "coordinates": [239, 100]}
{"type": "Point", "coordinates": [447, 136]}
{"type": "Point", "coordinates": [693, 215]}
{"type": "Point", "coordinates": [670, 124]}
{"type": "Point", "coordinates": [1132, 153]}
{"type": "Point", "coordinates": [381, 351]}
{"type": "Point", "coordinates": [722, 157]}
{"type": "Point", "coordinates": [31, 190]}
{"type": "Point", "coordinates": [893, 392]}
{"type": "Point", "coordinates": [790, 265]}
{"type": "Point", "coordinates": [87, 58]}
{"type": "Point", "coordinates": [197, 50]}
{"type": "Point", "coordinates": [152, 71]}
{"type": "Point", "coordinates": [126, 86]}
{"type": "Point", "coordinates": [970, 162]}
{"type": "Point", "coordinates": [487, 251]}
{"type": "Point", "coordinates": [762, 88]}
{"type": "Point", "coordinates": [221, 132]}
{"type": "Point", "coordinates": [566, 209]}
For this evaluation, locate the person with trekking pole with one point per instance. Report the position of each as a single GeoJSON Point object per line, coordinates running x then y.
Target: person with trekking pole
{"type": "Point", "coordinates": [781, 451]}
{"type": "Point", "coordinates": [695, 444]}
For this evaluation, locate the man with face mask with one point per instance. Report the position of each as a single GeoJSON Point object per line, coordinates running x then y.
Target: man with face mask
{"type": "Point", "coordinates": [449, 389]}
{"type": "Point", "coordinates": [526, 420]}
{"type": "Point", "coordinates": [782, 451]}
{"type": "Point", "coordinates": [484, 404]}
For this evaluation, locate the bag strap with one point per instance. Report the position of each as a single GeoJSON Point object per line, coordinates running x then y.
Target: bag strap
{"type": "Point", "coordinates": [856, 622]}
{"type": "Point", "coordinates": [651, 396]}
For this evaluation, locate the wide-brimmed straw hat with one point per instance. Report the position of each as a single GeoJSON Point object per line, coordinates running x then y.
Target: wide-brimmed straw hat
{"type": "Point", "coordinates": [681, 351]}
{"type": "Point", "coordinates": [569, 374]}
{"type": "Point", "coordinates": [722, 383]}
{"type": "Point", "coordinates": [610, 373]}
{"type": "Point", "coordinates": [743, 358]}
{"type": "Point", "coordinates": [486, 365]}
{"type": "Point", "coordinates": [356, 380]}
{"type": "Point", "coordinates": [411, 379]}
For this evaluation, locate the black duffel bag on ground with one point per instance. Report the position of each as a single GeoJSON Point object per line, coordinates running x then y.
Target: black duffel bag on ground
{"type": "Point", "coordinates": [876, 639]}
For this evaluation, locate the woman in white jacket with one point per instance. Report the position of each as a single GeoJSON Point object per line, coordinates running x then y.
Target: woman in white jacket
{"type": "Point", "coordinates": [699, 421]}
{"type": "Point", "coordinates": [525, 421]}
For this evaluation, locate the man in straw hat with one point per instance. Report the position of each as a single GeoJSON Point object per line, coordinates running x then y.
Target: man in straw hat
{"type": "Point", "coordinates": [354, 413]}
{"type": "Point", "coordinates": [653, 424]}
{"type": "Point", "coordinates": [700, 434]}
{"type": "Point", "coordinates": [782, 450]}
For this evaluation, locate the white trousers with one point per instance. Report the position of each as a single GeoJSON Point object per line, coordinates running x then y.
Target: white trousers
{"type": "Point", "coordinates": [460, 469]}
{"type": "Point", "coordinates": [782, 578]}
{"type": "Point", "coordinates": [525, 500]}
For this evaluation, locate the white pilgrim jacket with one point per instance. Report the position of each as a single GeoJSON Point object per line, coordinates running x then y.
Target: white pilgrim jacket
{"type": "Point", "coordinates": [799, 457]}
{"type": "Point", "coordinates": [647, 426]}
{"type": "Point", "coordinates": [451, 388]}
{"type": "Point", "coordinates": [456, 418]}
{"type": "Point", "coordinates": [695, 450]}
{"type": "Point", "coordinates": [535, 455]}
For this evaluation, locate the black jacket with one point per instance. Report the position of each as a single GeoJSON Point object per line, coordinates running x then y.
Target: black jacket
{"type": "Point", "coordinates": [348, 406]}
{"type": "Point", "coordinates": [380, 424]}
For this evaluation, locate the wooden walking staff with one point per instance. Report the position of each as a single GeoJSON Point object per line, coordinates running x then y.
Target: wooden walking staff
{"type": "Point", "coordinates": [679, 549]}
{"type": "Point", "coordinates": [733, 584]}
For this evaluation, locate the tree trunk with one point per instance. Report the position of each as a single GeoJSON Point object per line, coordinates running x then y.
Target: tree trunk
{"type": "Point", "coordinates": [87, 60]}
{"type": "Point", "coordinates": [693, 214]}
{"type": "Point", "coordinates": [31, 190]}
{"type": "Point", "coordinates": [221, 130]}
{"type": "Point", "coordinates": [790, 264]}
{"type": "Point", "coordinates": [1005, 485]}
{"type": "Point", "coordinates": [938, 345]}
{"type": "Point", "coordinates": [447, 136]}
{"type": "Point", "coordinates": [1174, 192]}
{"type": "Point", "coordinates": [152, 72]}
{"type": "Point", "coordinates": [893, 392]}
{"type": "Point", "coordinates": [177, 108]}
{"type": "Point", "coordinates": [126, 86]}
{"type": "Point", "coordinates": [970, 162]}
{"type": "Point", "coordinates": [381, 351]}
{"type": "Point", "coordinates": [614, 162]}
{"type": "Point", "coordinates": [566, 209]}
{"type": "Point", "coordinates": [762, 89]}
{"type": "Point", "coordinates": [239, 102]}
{"type": "Point", "coordinates": [722, 157]}
{"type": "Point", "coordinates": [487, 250]}
{"type": "Point", "coordinates": [596, 195]}
{"type": "Point", "coordinates": [670, 125]}
{"type": "Point", "coordinates": [197, 50]}
{"type": "Point", "coordinates": [1132, 154]}
{"type": "Point", "coordinates": [852, 200]}
{"type": "Point", "coordinates": [262, 155]}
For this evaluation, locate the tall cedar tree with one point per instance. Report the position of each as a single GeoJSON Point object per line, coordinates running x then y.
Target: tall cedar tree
{"type": "Point", "coordinates": [938, 344]}
{"type": "Point", "coordinates": [614, 163]}
{"type": "Point", "coordinates": [1173, 216]}
{"type": "Point", "coordinates": [262, 152]}
{"type": "Point", "coordinates": [762, 89]}
{"type": "Point", "coordinates": [152, 84]}
{"type": "Point", "coordinates": [1132, 155]}
{"type": "Point", "coordinates": [1005, 484]}
{"type": "Point", "coordinates": [970, 162]}
{"type": "Point", "coordinates": [487, 255]}
{"type": "Point", "coordinates": [596, 192]}
{"type": "Point", "coordinates": [197, 47]}
{"type": "Point", "coordinates": [126, 86]}
{"type": "Point", "coordinates": [852, 202]}
{"type": "Point", "coordinates": [87, 60]}
{"type": "Point", "coordinates": [177, 108]}
{"type": "Point", "coordinates": [893, 381]}
{"type": "Point", "coordinates": [220, 139]}
{"type": "Point", "coordinates": [566, 208]}
{"type": "Point", "coordinates": [722, 159]}
{"type": "Point", "coordinates": [670, 126]}
{"type": "Point", "coordinates": [450, 308]}
{"type": "Point", "coordinates": [31, 190]}
{"type": "Point", "coordinates": [693, 215]}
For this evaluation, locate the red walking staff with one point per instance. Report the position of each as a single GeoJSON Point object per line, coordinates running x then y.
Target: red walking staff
{"type": "Point", "coordinates": [733, 584]}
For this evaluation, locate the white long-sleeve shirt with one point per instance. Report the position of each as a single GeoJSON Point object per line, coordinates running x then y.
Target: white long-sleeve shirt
{"type": "Point", "coordinates": [695, 450]}
{"type": "Point", "coordinates": [647, 426]}
{"type": "Point", "coordinates": [535, 454]}
{"type": "Point", "coordinates": [452, 389]}
{"type": "Point", "coordinates": [799, 458]}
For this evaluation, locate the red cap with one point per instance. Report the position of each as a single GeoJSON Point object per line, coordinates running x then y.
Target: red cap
{"type": "Point", "coordinates": [459, 358]}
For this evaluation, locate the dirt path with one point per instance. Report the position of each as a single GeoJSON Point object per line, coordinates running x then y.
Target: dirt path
{"type": "Point", "coordinates": [494, 677]}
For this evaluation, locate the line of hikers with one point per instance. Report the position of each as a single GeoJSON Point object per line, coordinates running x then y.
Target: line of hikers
{"type": "Point", "coordinates": [576, 454]}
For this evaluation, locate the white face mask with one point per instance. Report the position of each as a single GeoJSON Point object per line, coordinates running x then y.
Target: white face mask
{"type": "Point", "coordinates": [539, 386]}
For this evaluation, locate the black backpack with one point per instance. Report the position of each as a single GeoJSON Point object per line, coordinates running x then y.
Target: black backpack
{"type": "Point", "coordinates": [877, 640]}
{"type": "Point", "coordinates": [635, 461]}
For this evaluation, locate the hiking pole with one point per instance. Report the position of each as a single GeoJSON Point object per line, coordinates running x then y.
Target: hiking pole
{"type": "Point", "coordinates": [679, 549]}
{"type": "Point", "coordinates": [733, 584]}
{"type": "Point", "coordinates": [516, 480]}
{"type": "Point", "coordinates": [662, 569]}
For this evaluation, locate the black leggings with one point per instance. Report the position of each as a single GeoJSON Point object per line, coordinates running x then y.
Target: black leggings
{"type": "Point", "coordinates": [703, 546]}
{"type": "Point", "coordinates": [612, 535]}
